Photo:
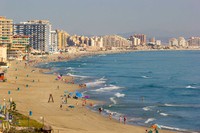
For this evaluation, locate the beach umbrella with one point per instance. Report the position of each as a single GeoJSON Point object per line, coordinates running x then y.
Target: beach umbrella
{"type": "Point", "coordinates": [87, 97]}
{"type": "Point", "coordinates": [79, 95]}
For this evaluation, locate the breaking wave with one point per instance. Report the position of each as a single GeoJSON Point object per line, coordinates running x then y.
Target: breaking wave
{"type": "Point", "coordinates": [95, 83]}
{"type": "Point", "coordinates": [190, 87]}
{"type": "Point", "coordinates": [164, 114]}
{"type": "Point", "coordinates": [112, 99]}
{"type": "Point", "coordinates": [119, 94]}
{"type": "Point", "coordinates": [108, 88]}
{"type": "Point", "coordinates": [150, 120]}
{"type": "Point", "coordinates": [183, 105]}
{"type": "Point", "coordinates": [148, 108]}
{"type": "Point", "coordinates": [172, 128]}
{"type": "Point", "coordinates": [79, 76]}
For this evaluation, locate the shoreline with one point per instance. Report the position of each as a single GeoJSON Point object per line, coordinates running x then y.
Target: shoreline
{"type": "Point", "coordinates": [121, 52]}
{"type": "Point", "coordinates": [90, 114]}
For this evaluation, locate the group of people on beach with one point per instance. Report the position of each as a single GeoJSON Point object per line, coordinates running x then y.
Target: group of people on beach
{"type": "Point", "coordinates": [121, 118]}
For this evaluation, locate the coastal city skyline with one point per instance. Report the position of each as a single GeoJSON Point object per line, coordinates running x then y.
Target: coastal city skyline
{"type": "Point", "coordinates": [105, 66]}
{"type": "Point", "coordinates": [41, 36]}
{"type": "Point", "coordinates": [155, 18]}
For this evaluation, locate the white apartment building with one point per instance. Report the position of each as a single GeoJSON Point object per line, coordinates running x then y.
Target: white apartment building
{"type": "Point", "coordinates": [96, 41]}
{"type": "Point", "coordinates": [173, 42]}
{"type": "Point", "coordinates": [158, 42]}
{"type": "Point", "coordinates": [39, 32]}
{"type": "Point", "coordinates": [194, 41]}
{"type": "Point", "coordinates": [182, 42]}
{"type": "Point", "coordinates": [54, 42]}
{"type": "Point", "coordinates": [135, 41]}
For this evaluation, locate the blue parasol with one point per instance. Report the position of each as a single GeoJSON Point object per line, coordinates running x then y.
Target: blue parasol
{"type": "Point", "coordinates": [79, 95]}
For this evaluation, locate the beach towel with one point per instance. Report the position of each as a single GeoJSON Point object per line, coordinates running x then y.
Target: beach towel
{"type": "Point", "coordinates": [71, 106]}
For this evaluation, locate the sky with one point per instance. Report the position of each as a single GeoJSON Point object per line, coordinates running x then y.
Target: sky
{"type": "Point", "coordinates": [156, 18]}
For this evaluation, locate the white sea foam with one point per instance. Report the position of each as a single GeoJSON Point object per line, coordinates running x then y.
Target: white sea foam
{"type": "Point", "coordinates": [147, 108]}
{"type": "Point", "coordinates": [114, 113]}
{"type": "Point", "coordinates": [150, 120]}
{"type": "Point", "coordinates": [183, 105]}
{"type": "Point", "coordinates": [108, 88]}
{"type": "Point", "coordinates": [119, 94]}
{"type": "Point", "coordinates": [95, 83]}
{"type": "Point", "coordinates": [70, 68]}
{"type": "Point", "coordinates": [171, 105]}
{"type": "Point", "coordinates": [190, 87]}
{"type": "Point", "coordinates": [164, 114]}
{"type": "Point", "coordinates": [103, 79]}
{"type": "Point", "coordinates": [112, 99]}
{"type": "Point", "coordinates": [79, 76]}
{"type": "Point", "coordinates": [172, 128]}
{"type": "Point", "coordinates": [145, 77]}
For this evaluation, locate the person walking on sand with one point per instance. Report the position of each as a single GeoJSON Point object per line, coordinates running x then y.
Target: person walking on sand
{"type": "Point", "coordinates": [120, 119]}
{"type": "Point", "coordinates": [65, 100]}
{"type": "Point", "coordinates": [25, 65]}
{"type": "Point", "coordinates": [156, 130]}
{"type": "Point", "coordinates": [110, 116]}
{"type": "Point", "coordinates": [125, 119]}
{"type": "Point", "coordinates": [100, 110]}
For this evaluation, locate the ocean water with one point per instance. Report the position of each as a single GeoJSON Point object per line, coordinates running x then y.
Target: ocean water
{"type": "Point", "coordinates": [160, 87]}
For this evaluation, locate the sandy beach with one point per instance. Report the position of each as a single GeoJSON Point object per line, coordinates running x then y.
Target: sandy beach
{"type": "Point", "coordinates": [30, 88]}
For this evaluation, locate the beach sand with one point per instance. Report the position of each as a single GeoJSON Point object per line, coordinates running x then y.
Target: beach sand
{"type": "Point", "coordinates": [33, 94]}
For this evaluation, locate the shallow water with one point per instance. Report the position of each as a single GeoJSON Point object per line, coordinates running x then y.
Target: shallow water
{"type": "Point", "coordinates": [160, 87]}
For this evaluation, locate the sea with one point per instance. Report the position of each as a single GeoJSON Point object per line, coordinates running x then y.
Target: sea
{"type": "Point", "coordinates": [147, 87]}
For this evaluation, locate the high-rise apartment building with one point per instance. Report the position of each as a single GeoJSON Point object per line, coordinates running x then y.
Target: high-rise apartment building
{"type": "Point", "coordinates": [135, 41]}
{"type": "Point", "coordinates": [20, 42]}
{"type": "Point", "coordinates": [62, 39]}
{"type": "Point", "coordinates": [96, 41]}
{"type": "Point", "coordinates": [194, 41]}
{"type": "Point", "coordinates": [180, 42]}
{"type": "Point", "coordinates": [6, 31]}
{"type": "Point", "coordinates": [173, 42]}
{"type": "Point", "coordinates": [142, 37]}
{"type": "Point", "coordinates": [54, 42]}
{"type": "Point", "coordinates": [115, 41]}
{"type": "Point", "coordinates": [39, 32]}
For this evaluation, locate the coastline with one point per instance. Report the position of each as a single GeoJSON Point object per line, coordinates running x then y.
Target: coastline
{"type": "Point", "coordinates": [78, 119]}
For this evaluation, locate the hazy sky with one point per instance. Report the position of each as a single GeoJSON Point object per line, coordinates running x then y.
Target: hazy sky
{"type": "Point", "coordinates": [100, 17]}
